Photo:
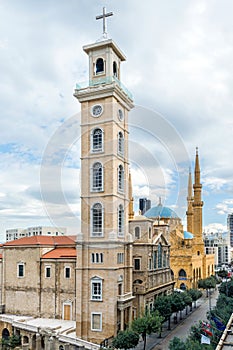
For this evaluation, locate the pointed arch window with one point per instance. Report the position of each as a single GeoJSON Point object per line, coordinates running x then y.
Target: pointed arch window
{"type": "Point", "coordinates": [165, 259]}
{"type": "Point", "coordinates": [97, 177]}
{"type": "Point", "coordinates": [120, 143]}
{"type": "Point", "coordinates": [120, 220]}
{"type": "Point", "coordinates": [97, 140]}
{"type": "Point", "coordinates": [182, 273]}
{"type": "Point", "coordinates": [99, 66]}
{"type": "Point", "coordinates": [120, 178]}
{"type": "Point", "coordinates": [155, 257]}
{"type": "Point", "coordinates": [97, 220]}
{"type": "Point", "coordinates": [160, 256]}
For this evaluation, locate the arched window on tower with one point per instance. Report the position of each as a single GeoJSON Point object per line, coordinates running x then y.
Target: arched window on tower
{"type": "Point", "coordinates": [97, 177]}
{"type": "Point", "coordinates": [97, 220]}
{"type": "Point", "coordinates": [120, 220]}
{"type": "Point", "coordinates": [97, 140]}
{"type": "Point", "coordinates": [120, 149]}
{"type": "Point", "coordinates": [115, 69]}
{"type": "Point", "coordinates": [120, 178]}
{"type": "Point", "coordinates": [99, 66]}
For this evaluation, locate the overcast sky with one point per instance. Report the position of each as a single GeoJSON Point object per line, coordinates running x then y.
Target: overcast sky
{"type": "Point", "coordinates": [179, 69]}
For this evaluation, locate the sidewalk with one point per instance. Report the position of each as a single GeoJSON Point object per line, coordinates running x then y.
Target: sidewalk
{"type": "Point", "coordinates": [153, 339]}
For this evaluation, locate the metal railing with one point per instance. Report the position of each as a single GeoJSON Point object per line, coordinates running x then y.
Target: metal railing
{"type": "Point", "coordinates": [104, 81]}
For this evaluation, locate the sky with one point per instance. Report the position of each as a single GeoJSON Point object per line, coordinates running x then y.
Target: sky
{"type": "Point", "coordinates": [179, 70]}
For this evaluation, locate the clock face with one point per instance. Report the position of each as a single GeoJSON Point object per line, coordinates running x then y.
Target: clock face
{"type": "Point", "coordinates": [120, 114]}
{"type": "Point", "coordinates": [96, 110]}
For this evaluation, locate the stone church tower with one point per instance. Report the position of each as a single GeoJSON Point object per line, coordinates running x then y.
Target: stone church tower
{"type": "Point", "coordinates": [104, 248]}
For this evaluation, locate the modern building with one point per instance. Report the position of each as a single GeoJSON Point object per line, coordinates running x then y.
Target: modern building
{"type": "Point", "coordinates": [144, 205]}
{"type": "Point", "coordinates": [230, 227]}
{"type": "Point", "coordinates": [218, 244]}
{"type": "Point", "coordinates": [15, 233]}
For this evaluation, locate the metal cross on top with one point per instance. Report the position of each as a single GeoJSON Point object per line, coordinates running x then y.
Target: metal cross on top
{"type": "Point", "coordinates": [103, 16]}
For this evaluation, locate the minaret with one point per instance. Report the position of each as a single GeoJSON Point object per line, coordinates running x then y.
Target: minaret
{"type": "Point", "coordinates": [197, 208]}
{"type": "Point", "coordinates": [131, 200]}
{"type": "Point", "coordinates": [104, 250]}
{"type": "Point", "coordinates": [189, 212]}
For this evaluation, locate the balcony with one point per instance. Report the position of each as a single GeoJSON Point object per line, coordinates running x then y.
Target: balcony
{"type": "Point", "coordinates": [125, 297]}
{"type": "Point", "coordinates": [103, 81]}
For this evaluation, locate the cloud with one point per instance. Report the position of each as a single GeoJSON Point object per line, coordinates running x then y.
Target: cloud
{"type": "Point", "coordinates": [215, 227]}
{"type": "Point", "coordinates": [179, 63]}
{"type": "Point", "coordinates": [226, 207]}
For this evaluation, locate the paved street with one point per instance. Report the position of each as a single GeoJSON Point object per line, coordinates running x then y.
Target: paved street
{"type": "Point", "coordinates": [181, 329]}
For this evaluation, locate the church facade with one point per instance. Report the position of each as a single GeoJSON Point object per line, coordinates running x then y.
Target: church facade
{"type": "Point", "coordinates": [69, 292]}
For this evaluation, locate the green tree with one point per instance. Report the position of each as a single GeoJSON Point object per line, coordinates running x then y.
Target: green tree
{"type": "Point", "coordinates": [195, 295]}
{"type": "Point", "coordinates": [188, 344]}
{"type": "Point", "coordinates": [223, 308]}
{"type": "Point", "coordinates": [187, 300]}
{"type": "Point", "coordinates": [227, 288]}
{"type": "Point", "coordinates": [222, 273]}
{"type": "Point", "coordinates": [207, 283]}
{"type": "Point", "coordinates": [196, 345]}
{"type": "Point", "coordinates": [177, 303]}
{"type": "Point", "coordinates": [147, 324]}
{"type": "Point", "coordinates": [164, 307]}
{"type": "Point", "coordinates": [126, 340]}
{"type": "Point", "coordinates": [176, 344]}
{"type": "Point", "coordinates": [195, 332]}
{"type": "Point", "coordinates": [11, 342]}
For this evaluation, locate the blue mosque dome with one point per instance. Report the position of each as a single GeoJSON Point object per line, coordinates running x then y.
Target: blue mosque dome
{"type": "Point", "coordinates": [161, 212]}
{"type": "Point", "coordinates": [188, 235]}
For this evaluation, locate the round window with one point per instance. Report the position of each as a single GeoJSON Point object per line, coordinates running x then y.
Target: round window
{"type": "Point", "coordinates": [96, 110]}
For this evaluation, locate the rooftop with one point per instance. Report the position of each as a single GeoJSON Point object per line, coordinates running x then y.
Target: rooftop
{"type": "Point", "coordinates": [42, 240]}
{"type": "Point", "coordinates": [59, 253]}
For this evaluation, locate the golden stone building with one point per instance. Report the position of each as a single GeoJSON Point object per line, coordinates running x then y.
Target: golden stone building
{"type": "Point", "coordinates": [188, 260]}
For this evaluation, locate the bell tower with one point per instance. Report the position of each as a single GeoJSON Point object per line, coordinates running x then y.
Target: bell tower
{"type": "Point", "coordinates": [104, 248]}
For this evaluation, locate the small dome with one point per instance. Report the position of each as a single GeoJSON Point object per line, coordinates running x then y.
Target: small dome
{"type": "Point", "coordinates": [161, 212]}
{"type": "Point", "coordinates": [140, 218]}
{"type": "Point", "coordinates": [188, 235]}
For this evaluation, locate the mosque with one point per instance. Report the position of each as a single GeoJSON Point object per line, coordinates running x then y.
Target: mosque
{"type": "Point", "coordinates": [188, 260]}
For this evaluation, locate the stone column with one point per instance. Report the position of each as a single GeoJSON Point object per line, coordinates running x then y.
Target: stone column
{"type": "Point", "coordinates": [130, 314]}
{"type": "Point", "coordinates": [38, 341]}
{"type": "Point", "coordinates": [122, 319]}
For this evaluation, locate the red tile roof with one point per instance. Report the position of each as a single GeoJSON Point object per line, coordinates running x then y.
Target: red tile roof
{"type": "Point", "coordinates": [59, 253]}
{"type": "Point", "coordinates": [42, 240]}
{"type": "Point", "coordinates": [0, 256]}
